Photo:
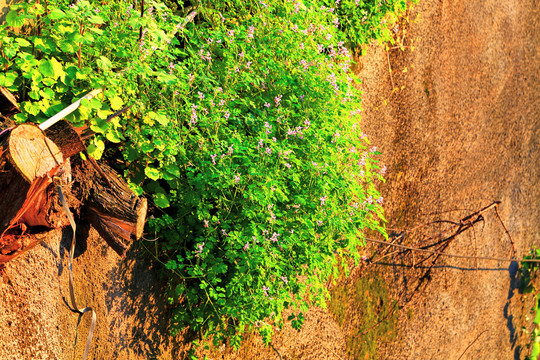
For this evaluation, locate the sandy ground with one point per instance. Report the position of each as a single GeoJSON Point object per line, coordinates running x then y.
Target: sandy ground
{"type": "Point", "coordinates": [462, 132]}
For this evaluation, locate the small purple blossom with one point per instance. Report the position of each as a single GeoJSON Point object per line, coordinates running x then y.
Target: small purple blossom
{"type": "Point", "coordinates": [323, 200]}
{"type": "Point", "coordinates": [268, 127]}
{"type": "Point", "coordinates": [246, 246]}
{"type": "Point", "coordinates": [213, 156]}
{"type": "Point", "coordinates": [199, 249]}
{"type": "Point", "coordinates": [265, 290]}
{"type": "Point", "coordinates": [267, 104]}
{"type": "Point", "coordinates": [284, 279]}
{"type": "Point", "coordinates": [236, 178]}
{"type": "Point", "coordinates": [201, 95]}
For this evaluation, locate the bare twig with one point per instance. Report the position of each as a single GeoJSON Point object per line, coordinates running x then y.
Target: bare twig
{"type": "Point", "coordinates": [471, 344]}
{"type": "Point", "coordinates": [506, 230]}
{"type": "Point", "coordinates": [452, 255]}
{"type": "Point", "coordinates": [277, 352]}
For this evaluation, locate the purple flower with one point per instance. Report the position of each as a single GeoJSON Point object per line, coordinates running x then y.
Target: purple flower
{"type": "Point", "coordinates": [199, 249]}
{"type": "Point", "coordinates": [227, 114]}
{"type": "Point", "coordinates": [246, 246]}
{"type": "Point", "coordinates": [277, 99]}
{"type": "Point", "coordinates": [205, 223]}
{"type": "Point", "coordinates": [267, 105]}
{"type": "Point", "coordinates": [265, 290]}
{"type": "Point", "coordinates": [213, 156]}
{"type": "Point", "coordinates": [383, 170]}
{"type": "Point", "coordinates": [379, 200]}
{"type": "Point", "coordinates": [274, 237]}
{"type": "Point", "coordinates": [288, 165]}
{"type": "Point", "coordinates": [285, 280]}
{"type": "Point", "coordinates": [268, 151]}
{"type": "Point", "coordinates": [250, 33]}
{"type": "Point", "coordinates": [236, 178]}
{"type": "Point", "coordinates": [323, 200]}
{"type": "Point", "coordinates": [201, 95]}
{"type": "Point", "coordinates": [268, 127]}
{"type": "Point", "coordinates": [319, 223]}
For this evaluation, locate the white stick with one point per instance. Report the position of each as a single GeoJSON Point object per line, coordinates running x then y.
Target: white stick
{"type": "Point", "coordinates": [71, 108]}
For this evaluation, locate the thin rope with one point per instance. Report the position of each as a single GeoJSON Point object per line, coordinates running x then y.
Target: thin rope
{"type": "Point", "coordinates": [74, 306]}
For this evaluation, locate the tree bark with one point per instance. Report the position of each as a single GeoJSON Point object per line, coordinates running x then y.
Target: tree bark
{"type": "Point", "coordinates": [113, 209]}
{"type": "Point", "coordinates": [27, 161]}
{"type": "Point", "coordinates": [66, 138]}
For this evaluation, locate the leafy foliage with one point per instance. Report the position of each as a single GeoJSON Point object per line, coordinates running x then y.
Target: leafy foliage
{"type": "Point", "coordinates": [244, 131]}
{"type": "Point", "coordinates": [528, 274]}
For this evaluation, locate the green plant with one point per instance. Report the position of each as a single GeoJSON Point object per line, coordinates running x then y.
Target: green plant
{"type": "Point", "coordinates": [244, 131]}
{"type": "Point", "coordinates": [528, 274]}
{"type": "Point", "coordinates": [362, 21]}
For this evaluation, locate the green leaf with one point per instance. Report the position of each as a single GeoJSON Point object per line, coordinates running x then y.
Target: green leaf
{"type": "Point", "coordinates": [22, 42]}
{"type": "Point", "coordinates": [152, 173]}
{"type": "Point", "coordinates": [99, 126]}
{"type": "Point", "coordinates": [46, 68]}
{"type": "Point", "coordinates": [116, 103]}
{"type": "Point", "coordinates": [161, 200]}
{"type": "Point", "coordinates": [7, 79]}
{"type": "Point", "coordinates": [96, 149]}
{"type": "Point", "coordinates": [113, 137]}
{"type": "Point", "coordinates": [104, 63]}
{"type": "Point", "coordinates": [57, 68]}
{"type": "Point", "coordinates": [95, 19]}
{"type": "Point", "coordinates": [535, 350]}
{"type": "Point", "coordinates": [56, 14]}
{"type": "Point", "coordinates": [14, 20]}
{"type": "Point", "coordinates": [31, 107]}
{"type": "Point", "coordinates": [47, 93]}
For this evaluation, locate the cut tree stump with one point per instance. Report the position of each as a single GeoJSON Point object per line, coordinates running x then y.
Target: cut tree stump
{"type": "Point", "coordinates": [113, 209]}
{"type": "Point", "coordinates": [28, 160]}
{"type": "Point", "coordinates": [8, 103]}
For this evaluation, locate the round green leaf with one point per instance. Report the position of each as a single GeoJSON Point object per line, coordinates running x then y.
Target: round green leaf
{"type": "Point", "coordinates": [161, 200]}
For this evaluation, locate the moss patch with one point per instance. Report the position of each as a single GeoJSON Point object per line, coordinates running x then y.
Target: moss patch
{"type": "Point", "coordinates": [361, 308]}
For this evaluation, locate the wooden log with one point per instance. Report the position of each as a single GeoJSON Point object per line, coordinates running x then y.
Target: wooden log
{"type": "Point", "coordinates": [8, 103]}
{"type": "Point", "coordinates": [113, 209]}
{"type": "Point", "coordinates": [66, 138]}
{"type": "Point", "coordinates": [45, 209]}
{"type": "Point", "coordinates": [27, 161]}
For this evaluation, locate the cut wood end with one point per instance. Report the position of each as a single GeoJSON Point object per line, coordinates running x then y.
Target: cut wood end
{"type": "Point", "coordinates": [141, 218]}
{"type": "Point", "coordinates": [32, 152]}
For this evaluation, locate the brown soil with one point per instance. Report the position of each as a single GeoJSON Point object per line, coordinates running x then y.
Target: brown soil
{"type": "Point", "coordinates": [462, 132]}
